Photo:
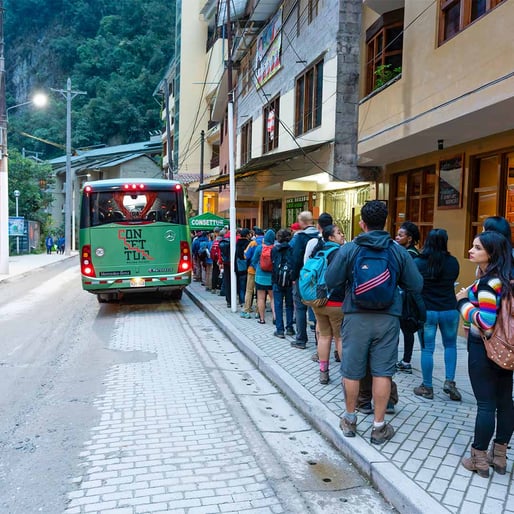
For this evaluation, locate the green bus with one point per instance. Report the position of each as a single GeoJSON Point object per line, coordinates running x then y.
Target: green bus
{"type": "Point", "coordinates": [134, 237]}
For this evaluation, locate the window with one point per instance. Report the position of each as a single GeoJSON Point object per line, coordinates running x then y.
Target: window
{"type": "Point", "coordinates": [247, 71]}
{"type": "Point", "coordinates": [271, 116]}
{"type": "Point", "coordinates": [492, 188]}
{"type": "Point", "coordinates": [309, 99]}
{"type": "Point", "coordinates": [414, 199]}
{"type": "Point", "coordinates": [456, 15]}
{"type": "Point", "coordinates": [246, 142]}
{"type": "Point", "coordinates": [384, 43]}
{"type": "Point", "coordinates": [313, 9]}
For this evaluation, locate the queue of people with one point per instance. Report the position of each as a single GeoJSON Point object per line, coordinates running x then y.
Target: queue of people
{"type": "Point", "coordinates": [363, 311]}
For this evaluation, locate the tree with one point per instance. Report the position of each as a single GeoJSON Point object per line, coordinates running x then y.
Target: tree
{"type": "Point", "coordinates": [32, 179]}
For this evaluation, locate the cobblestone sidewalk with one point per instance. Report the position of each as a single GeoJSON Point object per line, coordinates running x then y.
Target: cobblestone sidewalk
{"type": "Point", "coordinates": [418, 470]}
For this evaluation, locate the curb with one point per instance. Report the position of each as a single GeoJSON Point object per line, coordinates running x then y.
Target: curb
{"type": "Point", "coordinates": [399, 490]}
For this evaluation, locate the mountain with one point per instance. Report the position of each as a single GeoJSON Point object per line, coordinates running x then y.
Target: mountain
{"type": "Point", "coordinates": [114, 50]}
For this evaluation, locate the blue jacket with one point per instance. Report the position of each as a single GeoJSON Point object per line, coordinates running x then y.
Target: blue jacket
{"type": "Point", "coordinates": [263, 278]}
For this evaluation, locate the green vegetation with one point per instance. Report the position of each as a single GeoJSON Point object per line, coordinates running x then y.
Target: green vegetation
{"type": "Point", "coordinates": [115, 50]}
{"type": "Point", "coordinates": [384, 73]}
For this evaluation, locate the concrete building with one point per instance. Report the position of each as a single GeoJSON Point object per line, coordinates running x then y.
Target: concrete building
{"type": "Point", "coordinates": [441, 128]}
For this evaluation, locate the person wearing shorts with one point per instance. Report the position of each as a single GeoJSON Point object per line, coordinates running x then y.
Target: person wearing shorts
{"type": "Point", "coordinates": [371, 336]}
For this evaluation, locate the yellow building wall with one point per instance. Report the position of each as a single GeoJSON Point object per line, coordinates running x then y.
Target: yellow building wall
{"type": "Point", "coordinates": [456, 221]}
{"type": "Point", "coordinates": [432, 74]}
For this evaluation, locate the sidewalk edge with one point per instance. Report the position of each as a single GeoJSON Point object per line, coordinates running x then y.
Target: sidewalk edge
{"type": "Point", "coordinates": [402, 492]}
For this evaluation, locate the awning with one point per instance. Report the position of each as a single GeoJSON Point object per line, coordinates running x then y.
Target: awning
{"type": "Point", "coordinates": [207, 221]}
{"type": "Point", "coordinates": [263, 163]}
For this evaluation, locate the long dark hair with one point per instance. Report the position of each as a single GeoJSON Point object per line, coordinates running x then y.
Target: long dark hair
{"type": "Point", "coordinates": [435, 251]}
{"type": "Point", "coordinates": [500, 258]}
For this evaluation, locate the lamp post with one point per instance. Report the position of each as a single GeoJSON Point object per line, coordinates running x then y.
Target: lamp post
{"type": "Point", "coordinates": [16, 196]}
{"type": "Point", "coordinates": [69, 95]}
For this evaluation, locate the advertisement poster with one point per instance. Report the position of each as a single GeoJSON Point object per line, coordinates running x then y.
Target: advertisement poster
{"type": "Point", "coordinates": [269, 45]}
{"type": "Point", "coordinates": [16, 225]}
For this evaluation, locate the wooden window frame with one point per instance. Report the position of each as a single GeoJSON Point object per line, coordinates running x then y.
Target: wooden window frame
{"type": "Point", "coordinates": [465, 15]}
{"type": "Point", "coordinates": [268, 143]}
{"type": "Point", "coordinates": [246, 142]}
{"type": "Point", "coordinates": [376, 56]}
{"type": "Point", "coordinates": [309, 98]}
{"type": "Point", "coordinates": [313, 10]}
{"type": "Point", "coordinates": [423, 224]}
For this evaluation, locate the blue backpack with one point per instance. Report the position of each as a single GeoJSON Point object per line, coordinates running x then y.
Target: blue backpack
{"type": "Point", "coordinates": [375, 278]}
{"type": "Point", "coordinates": [311, 281]}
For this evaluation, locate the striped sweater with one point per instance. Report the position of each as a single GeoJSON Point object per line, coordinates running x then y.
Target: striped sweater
{"type": "Point", "coordinates": [480, 309]}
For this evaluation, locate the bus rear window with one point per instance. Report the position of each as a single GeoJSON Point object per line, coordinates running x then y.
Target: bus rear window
{"type": "Point", "coordinates": [103, 207]}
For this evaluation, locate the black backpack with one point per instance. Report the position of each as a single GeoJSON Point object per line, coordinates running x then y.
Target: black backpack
{"type": "Point", "coordinates": [284, 275]}
{"type": "Point", "coordinates": [414, 312]}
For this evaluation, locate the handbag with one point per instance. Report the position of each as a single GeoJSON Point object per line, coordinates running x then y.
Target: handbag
{"type": "Point", "coordinates": [500, 346]}
{"type": "Point", "coordinates": [242, 265]}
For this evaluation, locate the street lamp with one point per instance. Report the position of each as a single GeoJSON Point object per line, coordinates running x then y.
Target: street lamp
{"type": "Point", "coordinates": [39, 100]}
{"type": "Point", "coordinates": [16, 196]}
{"type": "Point", "coordinates": [69, 95]}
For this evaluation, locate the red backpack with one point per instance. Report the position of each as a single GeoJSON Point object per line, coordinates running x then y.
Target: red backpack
{"type": "Point", "coordinates": [265, 261]}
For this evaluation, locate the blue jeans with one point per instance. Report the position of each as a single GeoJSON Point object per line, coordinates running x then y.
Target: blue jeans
{"type": "Point", "coordinates": [241, 288]}
{"type": "Point", "coordinates": [492, 387]}
{"type": "Point", "coordinates": [448, 323]}
{"type": "Point", "coordinates": [301, 315]}
{"type": "Point", "coordinates": [279, 295]}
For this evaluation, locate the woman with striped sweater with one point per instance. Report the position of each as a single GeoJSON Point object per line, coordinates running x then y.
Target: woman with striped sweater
{"type": "Point", "coordinates": [492, 385]}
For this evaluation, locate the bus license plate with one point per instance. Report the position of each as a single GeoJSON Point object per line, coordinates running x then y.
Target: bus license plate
{"type": "Point", "coordinates": [137, 282]}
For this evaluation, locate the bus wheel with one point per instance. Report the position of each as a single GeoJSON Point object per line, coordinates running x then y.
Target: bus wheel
{"type": "Point", "coordinates": [107, 297]}
{"type": "Point", "coordinates": [102, 298]}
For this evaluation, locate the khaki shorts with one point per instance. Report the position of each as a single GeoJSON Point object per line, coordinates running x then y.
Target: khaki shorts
{"type": "Point", "coordinates": [329, 320]}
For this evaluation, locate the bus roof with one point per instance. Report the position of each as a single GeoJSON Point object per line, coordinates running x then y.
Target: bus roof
{"type": "Point", "coordinates": [118, 183]}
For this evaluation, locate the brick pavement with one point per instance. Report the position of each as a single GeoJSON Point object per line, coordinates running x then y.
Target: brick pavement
{"type": "Point", "coordinates": [418, 470]}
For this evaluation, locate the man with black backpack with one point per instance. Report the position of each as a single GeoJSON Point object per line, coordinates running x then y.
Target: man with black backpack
{"type": "Point", "coordinates": [298, 244]}
{"type": "Point", "coordinates": [371, 268]}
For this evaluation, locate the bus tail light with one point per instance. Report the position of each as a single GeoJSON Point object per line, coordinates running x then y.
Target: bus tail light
{"type": "Point", "coordinates": [184, 263]}
{"type": "Point", "coordinates": [86, 265]}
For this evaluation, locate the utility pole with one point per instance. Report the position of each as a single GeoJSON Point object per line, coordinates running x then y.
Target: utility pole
{"type": "Point", "coordinates": [69, 207]}
{"type": "Point", "coordinates": [4, 185]}
{"type": "Point", "coordinates": [232, 181]}
{"type": "Point", "coordinates": [202, 151]}
{"type": "Point", "coordinates": [347, 90]}
{"type": "Point", "coordinates": [168, 129]}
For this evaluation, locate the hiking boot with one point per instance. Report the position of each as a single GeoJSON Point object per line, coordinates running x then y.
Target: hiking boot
{"type": "Point", "coordinates": [382, 434]}
{"type": "Point", "coordinates": [336, 356]}
{"type": "Point", "coordinates": [349, 429]}
{"type": "Point", "coordinates": [299, 344]}
{"type": "Point", "coordinates": [290, 331]}
{"type": "Point", "coordinates": [279, 334]}
{"type": "Point", "coordinates": [404, 367]}
{"type": "Point", "coordinates": [245, 315]}
{"type": "Point", "coordinates": [497, 457]}
{"type": "Point", "coordinates": [477, 462]}
{"type": "Point", "coordinates": [390, 408]}
{"type": "Point", "coordinates": [365, 408]}
{"type": "Point", "coordinates": [315, 357]}
{"type": "Point", "coordinates": [425, 392]}
{"type": "Point", "coordinates": [450, 389]}
{"type": "Point", "coordinates": [324, 377]}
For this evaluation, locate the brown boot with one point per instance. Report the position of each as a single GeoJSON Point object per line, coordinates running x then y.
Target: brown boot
{"type": "Point", "coordinates": [477, 462]}
{"type": "Point", "coordinates": [497, 457]}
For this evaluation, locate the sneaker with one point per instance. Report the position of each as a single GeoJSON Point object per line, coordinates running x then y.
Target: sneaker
{"type": "Point", "coordinates": [449, 388]}
{"type": "Point", "coordinates": [299, 344]}
{"type": "Point", "coordinates": [365, 408]}
{"type": "Point", "coordinates": [315, 357]}
{"type": "Point", "coordinates": [390, 408]}
{"type": "Point", "coordinates": [279, 334]}
{"type": "Point", "coordinates": [404, 367]}
{"type": "Point", "coordinates": [324, 377]}
{"type": "Point", "coordinates": [245, 315]}
{"type": "Point", "coordinates": [290, 331]}
{"type": "Point", "coordinates": [382, 434]}
{"type": "Point", "coordinates": [349, 429]}
{"type": "Point", "coordinates": [336, 356]}
{"type": "Point", "coordinates": [425, 392]}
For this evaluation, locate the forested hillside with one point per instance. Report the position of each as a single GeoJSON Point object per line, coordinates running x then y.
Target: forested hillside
{"type": "Point", "coordinates": [115, 50]}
